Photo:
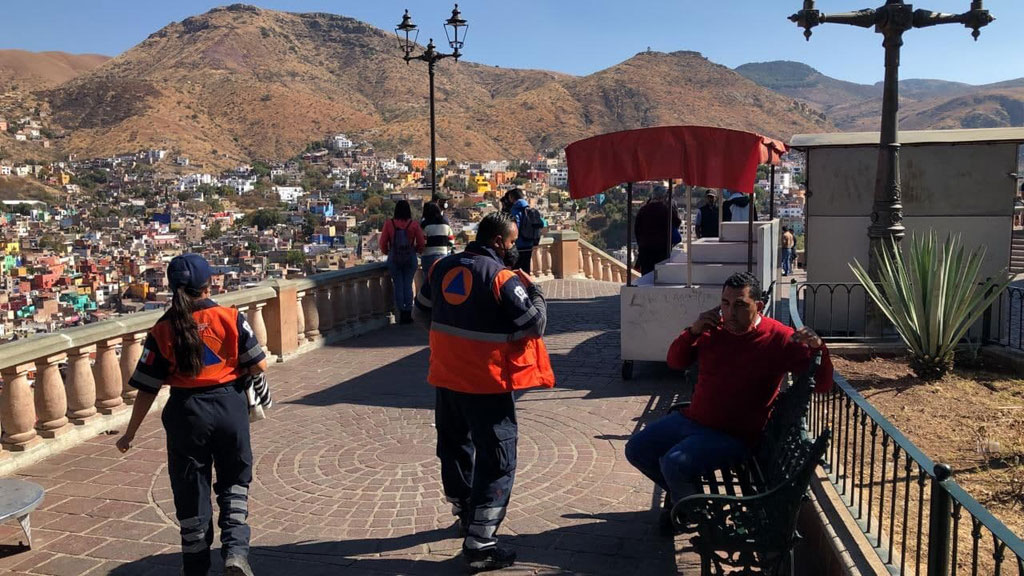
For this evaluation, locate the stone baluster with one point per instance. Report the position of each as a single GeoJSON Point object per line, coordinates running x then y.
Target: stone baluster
{"type": "Point", "coordinates": [547, 262]}
{"type": "Point", "coordinates": [51, 400]}
{"type": "Point", "coordinates": [257, 323]}
{"type": "Point", "coordinates": [338, 304]}
{"type": "Point", "coordinates": [323, 305]}
{"type": "Point", "coordinates": [350, 302]}
{"type": "Point", "coordinates": [311, 314]}
{"type": "Point", "coordinates": [107, 375]}
{"type": "Point", "coordinates": [363, 295]}
{"type": "Point", "coordinates": [81, 386]}
{"type": "Point", "coordinates": [585, 259]}
{"type": "Point", "coordinates": [17, 410]}
{"type": "Point", "coordinates": [300, 317]}
{"type": "Point", "coordinates": [389, 292]}
{"type": "Point", "coordinates": [607, 275]}
{"type": "Point", "coordinates": [378, 295]}
{"type": "Point", "coordinates": [131, 351]}
{"type": "Point", "coordinates": [536, 259]}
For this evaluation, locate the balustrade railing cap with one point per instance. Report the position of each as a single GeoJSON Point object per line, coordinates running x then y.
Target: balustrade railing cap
{"type": "Point", "coordinates": [563, 235]}
{"type": "Point", "coordinates": [338, 275]}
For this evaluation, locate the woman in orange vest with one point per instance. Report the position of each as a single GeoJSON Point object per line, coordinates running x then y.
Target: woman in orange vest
{"type": "Point", "coordinates": [202, 351]}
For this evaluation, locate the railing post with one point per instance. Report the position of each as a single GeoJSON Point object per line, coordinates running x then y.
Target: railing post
{"type": "Point", "coordinates": [588, 270]}
{"type": "Point", "coordinates": [17, 410]}
{"type": "Point", "coordinates": [50, 398]}
{"type": "Point", "coordinates": [81, 386]}
{"type": "Point", "coordinates": [311, 314]}
{"type": "Point", "coordinates": [107, 375]}
{"type": "Point", "coordinates": [282, 317]}
{"type": "Point", "coordinates": [131, 351]}
{"type": "Point", "coordinates": [324, 307]}
{"type": "Point", "coordinates": [257, 323]}
{"type": "Point", "coordinates": [939, 523]}
{"type": "Point", "coordinates": [300, 318]}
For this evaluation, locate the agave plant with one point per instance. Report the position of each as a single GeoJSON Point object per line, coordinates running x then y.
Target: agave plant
{"type": "Point", "coordinates": [933, 297]}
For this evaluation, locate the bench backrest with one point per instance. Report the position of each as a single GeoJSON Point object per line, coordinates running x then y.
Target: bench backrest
{"type": "Point", "coordinates": [785, 426]}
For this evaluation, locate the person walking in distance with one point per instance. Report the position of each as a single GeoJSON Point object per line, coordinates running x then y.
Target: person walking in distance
{"type": "Point", "coordinates": [401, 240]}
{"type": "Point", "coordinates": [788, 242]}
{"type": "Point", "coordinates": [486, 327]}
{"type": "Point", "coordinates": [438, 233]}
{"type": "Point", "coordinates": [202, 351]}
{"type": "Point", "coordinates": [529, 224]}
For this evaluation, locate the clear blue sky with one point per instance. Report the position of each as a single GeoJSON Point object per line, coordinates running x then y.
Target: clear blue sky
{"type": "Point", "coordinates": [581, 36]}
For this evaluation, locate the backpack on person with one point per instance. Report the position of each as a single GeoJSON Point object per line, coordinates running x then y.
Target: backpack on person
{"type": "Point", "coordinates": [401, 245]}
{"type": "Point", "coordinates": [532, 225]}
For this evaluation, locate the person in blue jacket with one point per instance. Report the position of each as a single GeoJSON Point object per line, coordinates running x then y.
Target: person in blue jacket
{"type": "Point", "coordinates": [516, 205]}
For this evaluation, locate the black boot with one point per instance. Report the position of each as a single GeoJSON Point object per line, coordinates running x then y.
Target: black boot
{"type": "Point", "coordinates": [493, 558]}
{"type": "Point", "coordinates": [405, 317]}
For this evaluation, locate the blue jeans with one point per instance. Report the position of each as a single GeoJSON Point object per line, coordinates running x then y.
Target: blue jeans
{"type": "Point", "coordinates": [401, 277]}
{"type": "Point", "coordinates": [426, 261]}
{"type": "Point", "coordinates": [674, 451]}
{"type": "Point", "coordinates": [787, 261]}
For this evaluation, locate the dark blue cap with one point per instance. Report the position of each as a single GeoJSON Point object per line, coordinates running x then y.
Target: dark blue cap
{"type": "Point", "coordinates": [190, 271]}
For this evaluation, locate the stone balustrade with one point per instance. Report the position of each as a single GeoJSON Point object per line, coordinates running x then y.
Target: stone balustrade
{"type": "Point", "coordinates": [541, 260]}
{"type": "Point", "coordinates": [598, 265]}
{"type": "Point", "coordinates": [73, 383]}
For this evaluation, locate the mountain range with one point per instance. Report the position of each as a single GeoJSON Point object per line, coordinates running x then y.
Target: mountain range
{"type": "Point", "coordinates": [241, 83]}
{"type": "Point", "coordinates": [924, 104]}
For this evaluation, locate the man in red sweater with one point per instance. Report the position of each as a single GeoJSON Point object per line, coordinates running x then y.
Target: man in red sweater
{"type": "Point", "coordinates": [743, 357]}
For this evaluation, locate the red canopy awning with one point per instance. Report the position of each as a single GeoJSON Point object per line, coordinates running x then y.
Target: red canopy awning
{"type": "Point", "coordinates": [698, 155]}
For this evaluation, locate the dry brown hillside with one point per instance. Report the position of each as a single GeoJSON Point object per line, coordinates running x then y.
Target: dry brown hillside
{"type": "Point", "coordinates": [239, 82]}
{"type": "Point", "coordinates": [40, 70]}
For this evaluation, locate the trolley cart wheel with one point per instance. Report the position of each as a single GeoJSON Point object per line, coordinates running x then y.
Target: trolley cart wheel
{"type": "Point", "coordinates": [627, 369]}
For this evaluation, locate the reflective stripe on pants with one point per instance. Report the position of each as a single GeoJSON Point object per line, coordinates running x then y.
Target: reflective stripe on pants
{"type": "Point", "coordinates": [209, 430]}
{"type": "Point", "coordinates": [476, 443]}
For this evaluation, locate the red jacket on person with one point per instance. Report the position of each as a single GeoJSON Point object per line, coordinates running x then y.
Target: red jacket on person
{"type": "Point", "coordinates": [740, 374]}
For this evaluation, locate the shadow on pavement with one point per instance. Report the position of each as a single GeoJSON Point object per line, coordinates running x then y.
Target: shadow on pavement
{"type": "Point", "coordinates": [598, 548]}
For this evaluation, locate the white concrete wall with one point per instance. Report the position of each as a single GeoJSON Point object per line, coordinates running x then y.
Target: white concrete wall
{"type": "Point", "coordinates": [962, 188]}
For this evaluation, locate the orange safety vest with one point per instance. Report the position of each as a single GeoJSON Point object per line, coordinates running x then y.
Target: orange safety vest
{"type": "Point", "coordinates": [218, 329]}
{"type": "Point", "coordinates": [474, 346]}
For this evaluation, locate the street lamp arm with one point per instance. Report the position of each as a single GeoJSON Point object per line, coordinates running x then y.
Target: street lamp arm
{"type": "Point", "coordinates": [926, 18]}
{"type": "Point", "coordinates": [862, 18]}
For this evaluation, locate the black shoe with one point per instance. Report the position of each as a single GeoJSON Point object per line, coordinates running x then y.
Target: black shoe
{"type": "Point", "coordinates": [405, 317]}
{"type": "Point", "coordinates": [493, 558]}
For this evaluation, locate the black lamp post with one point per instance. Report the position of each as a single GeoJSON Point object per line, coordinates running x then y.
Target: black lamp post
{"type": "Point", "coordinates": [891, 21]}
{"type": "Point", "coordinates": [455, 29]}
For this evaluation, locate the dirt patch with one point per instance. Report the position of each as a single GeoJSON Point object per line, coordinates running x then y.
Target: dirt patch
{"type": "Point", "coordinates": [972, 420]}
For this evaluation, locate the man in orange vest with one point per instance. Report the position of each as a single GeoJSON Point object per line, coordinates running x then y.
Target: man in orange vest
{"type": "Point", "coordinates": [486, 327]}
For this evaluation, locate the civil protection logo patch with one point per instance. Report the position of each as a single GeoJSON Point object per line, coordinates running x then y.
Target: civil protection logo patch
{"type": "Point", "coordinates": [456, 285]}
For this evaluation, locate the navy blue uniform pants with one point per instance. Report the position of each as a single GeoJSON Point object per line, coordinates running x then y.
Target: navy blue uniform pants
{"type": "Point", "coordinates": [207, 431]}
{"type": "Point", "coordinates": [476, 442]}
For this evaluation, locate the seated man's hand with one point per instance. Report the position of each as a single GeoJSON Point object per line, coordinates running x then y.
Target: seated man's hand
{"type": "Point", "coordinates": [706, 321]}
{"type": "Point", "coordinates": [808, 338]}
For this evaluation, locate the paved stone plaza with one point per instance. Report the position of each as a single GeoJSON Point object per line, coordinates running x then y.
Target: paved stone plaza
{"type": "Point", "coordinates": [346, 480]}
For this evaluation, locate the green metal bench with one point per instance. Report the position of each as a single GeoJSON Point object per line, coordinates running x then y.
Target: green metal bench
{"type": "Point", "coordinates": [746, 514]}
{"type": "Point", "coordinates": [753, 534]}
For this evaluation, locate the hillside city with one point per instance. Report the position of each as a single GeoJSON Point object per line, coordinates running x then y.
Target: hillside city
{"type": "Point", "coordinates": [101, 248]}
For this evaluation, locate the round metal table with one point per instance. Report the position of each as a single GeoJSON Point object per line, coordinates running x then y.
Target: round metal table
{"type": "Point", "coordinates": [18, 498]}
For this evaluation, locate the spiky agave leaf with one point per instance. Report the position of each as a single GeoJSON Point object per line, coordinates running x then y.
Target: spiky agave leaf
{"type": "Point", "coordinates": [931, 295]}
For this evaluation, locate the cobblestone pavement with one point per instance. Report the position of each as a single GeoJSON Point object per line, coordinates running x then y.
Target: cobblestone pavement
{"type": "Point", "coordinates": [346, 480]}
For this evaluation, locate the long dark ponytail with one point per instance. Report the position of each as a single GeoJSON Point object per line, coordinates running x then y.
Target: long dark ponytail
{"type": "Point", "coordinates": [188, 346]}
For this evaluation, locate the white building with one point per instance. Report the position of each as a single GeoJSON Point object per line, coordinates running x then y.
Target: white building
{"type": "Point", "coordinates": [558, 177]}
{"type": "Point", "coordinates": [289, 193]}
{"type": "Point", "coordinates": [495, 166]}
{"type": "Point", "coordinates": [192, 181]}
{"type": "Point", "coordinates": [340, 142]}
{"type": "Point", "coordinates": [241, 185]}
